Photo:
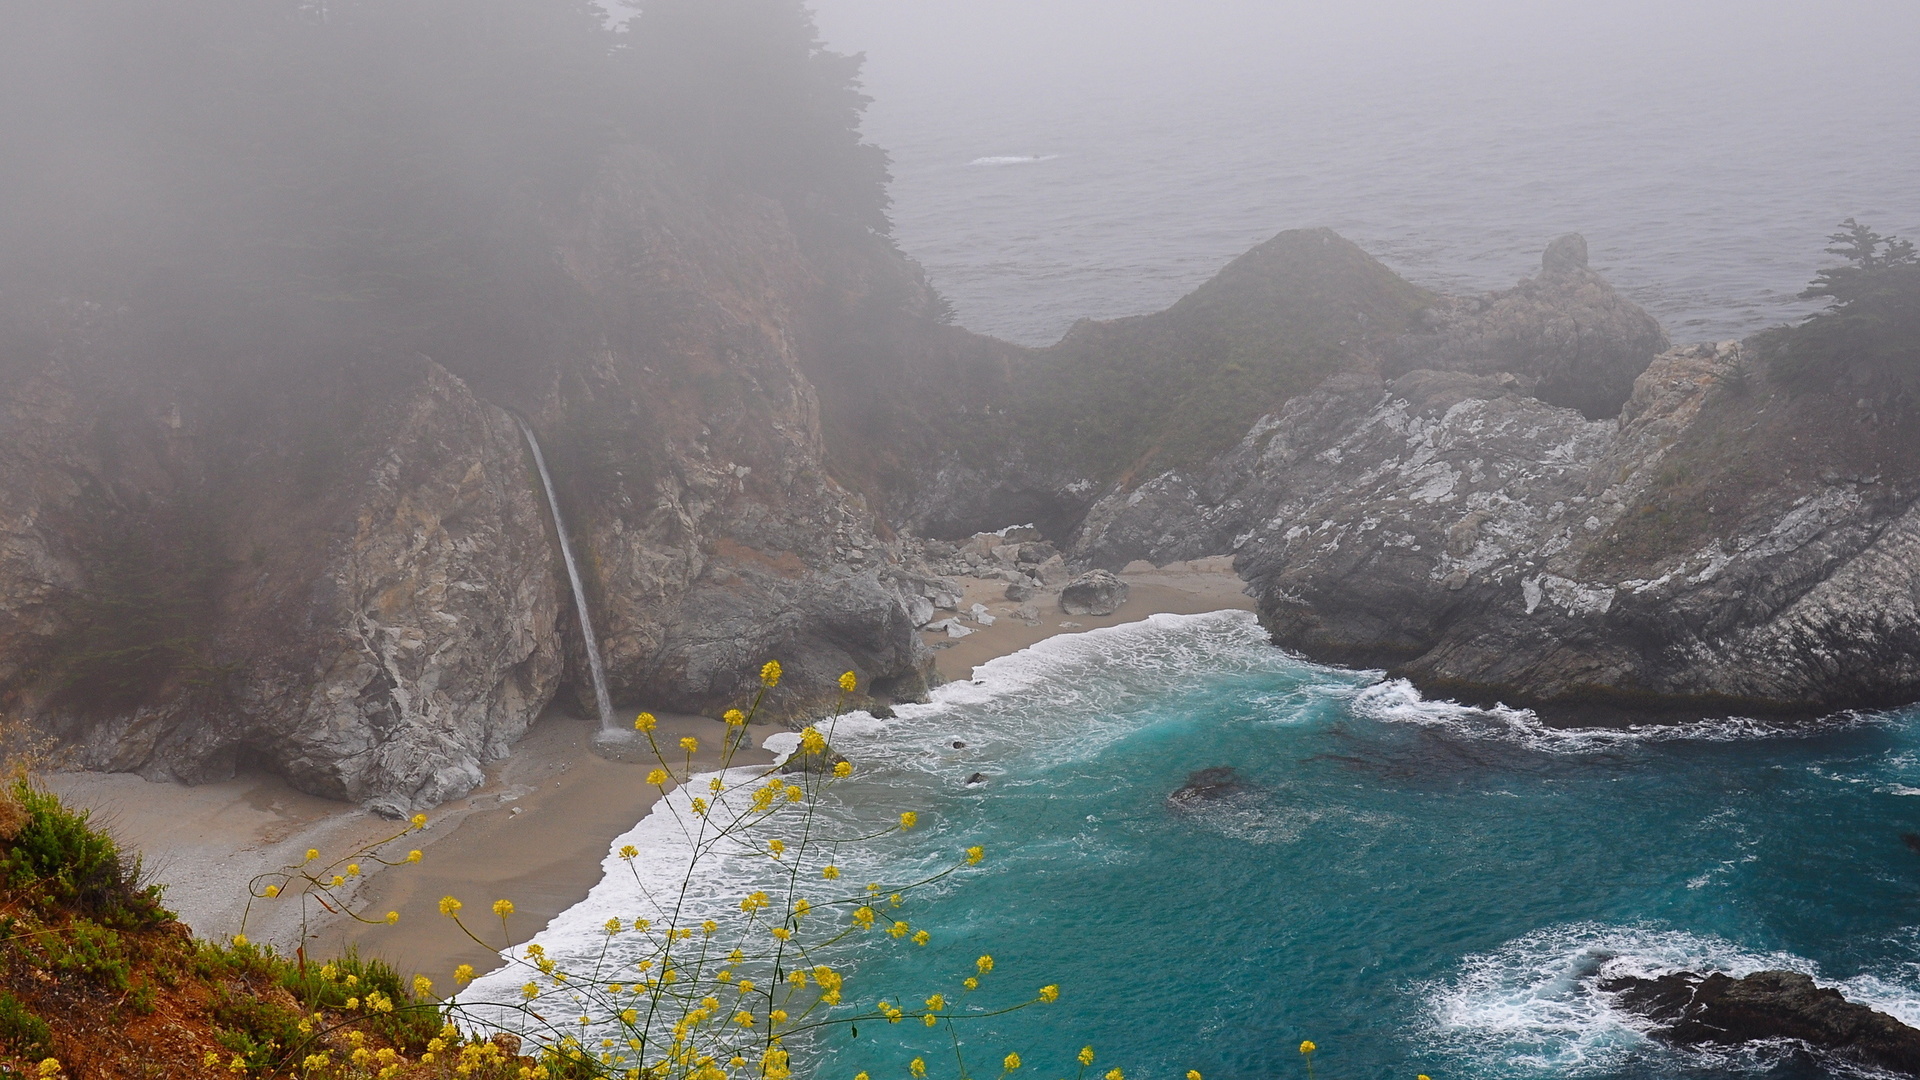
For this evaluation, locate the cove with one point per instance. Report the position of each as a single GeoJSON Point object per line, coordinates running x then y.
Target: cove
{"type": "Point", "coordinates": [1416, 886]}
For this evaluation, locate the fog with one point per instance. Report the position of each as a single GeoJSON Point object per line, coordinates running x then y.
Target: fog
{"type": "Point", "coordinates": [1705, 148]}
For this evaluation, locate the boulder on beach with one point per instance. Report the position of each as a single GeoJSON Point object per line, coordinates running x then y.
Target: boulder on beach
{"type": "Point", "coordinates": [1096, 592]}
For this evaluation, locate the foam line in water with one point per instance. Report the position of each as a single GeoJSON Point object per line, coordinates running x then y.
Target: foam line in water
{"type": "Point", "coordinates": [1397, 701]}
{"type": "Point", "coordinates": [1012, 159]}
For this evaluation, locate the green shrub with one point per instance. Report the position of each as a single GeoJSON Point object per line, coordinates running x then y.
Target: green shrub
{"type": "Point", "coordinates": [23, 1032]}
{"type": "Point", "coordinates": [59, 861]}
{"type": "Point", "coordinates": [92, 951]}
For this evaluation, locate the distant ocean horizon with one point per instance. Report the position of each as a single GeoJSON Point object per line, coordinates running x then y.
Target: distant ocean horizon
{"type": "Point", "coordinates": [1704, 178]}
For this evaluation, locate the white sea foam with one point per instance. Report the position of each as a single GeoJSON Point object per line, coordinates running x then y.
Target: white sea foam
{"type": "Point", "coordinates": [1534, 1005]}
{"type": "Point", "coordinates": [1060, 697]}
{"type": "Point", "coordinates": [1397, 701]}
{"type": "Point", "coordinates": [1013, 159]}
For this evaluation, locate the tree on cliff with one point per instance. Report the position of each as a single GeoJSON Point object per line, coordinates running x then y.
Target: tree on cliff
{"type": "Point", "coordinates": [746, 89]}
{"type": "Point", "coordinates": [1867, 342]}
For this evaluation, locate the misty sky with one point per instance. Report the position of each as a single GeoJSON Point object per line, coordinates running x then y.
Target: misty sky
{"type": "Point", "coordinates": [1671, 133]}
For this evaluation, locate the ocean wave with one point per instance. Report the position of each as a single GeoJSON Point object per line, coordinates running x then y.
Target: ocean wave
{"type": "Point", "coordinates": [1534, 1004]}
{"type": "Point", "coordinates": [1397, 701]}
{"type": "Point", "coordinates": [1013, 159]}
{"type": "Point", "coordinates": [1059, 696]}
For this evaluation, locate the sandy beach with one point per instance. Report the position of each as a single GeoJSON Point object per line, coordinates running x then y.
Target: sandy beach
{"type": "Point", "coordinates": [535, 832]}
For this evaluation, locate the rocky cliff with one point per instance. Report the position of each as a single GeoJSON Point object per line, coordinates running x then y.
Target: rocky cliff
{"type": "Point", "coordinates": [346, 572]}
{"type": "Point", "coordinates": [1471, 513]}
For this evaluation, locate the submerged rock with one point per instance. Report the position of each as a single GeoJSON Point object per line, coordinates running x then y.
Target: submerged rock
{"type": "Point", "coordinates": [1717, 1009]}
{"type": "Point", "coordinates": [1207, 786]}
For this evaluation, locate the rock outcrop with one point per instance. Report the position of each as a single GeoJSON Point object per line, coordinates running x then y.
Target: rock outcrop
{"type": "Point", "coordinates": [353, 581]}
{"type": "Point", "coordinates": [1096, 592]}
{"type": "Point", "coordinates": [1565, 336]}
{"type": "Point", "coordinates": [1719, 1010]}
{"type": "Point", "coordinates": [1721, 545]}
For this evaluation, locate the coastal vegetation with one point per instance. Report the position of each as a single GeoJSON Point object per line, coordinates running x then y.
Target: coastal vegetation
{"type": "Point", "coordinates": [1867, 341]}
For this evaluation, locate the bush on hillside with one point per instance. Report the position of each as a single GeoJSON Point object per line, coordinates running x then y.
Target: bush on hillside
{"type": "Point", "coordinates": [1867, 343]}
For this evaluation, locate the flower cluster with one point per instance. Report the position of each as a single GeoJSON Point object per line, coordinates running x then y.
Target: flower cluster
{"type": "Point", "coordinates": [677, 995]}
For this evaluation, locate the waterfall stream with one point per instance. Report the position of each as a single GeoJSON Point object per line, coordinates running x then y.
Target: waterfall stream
{"type": "Point", "coordinates": [573, 576]}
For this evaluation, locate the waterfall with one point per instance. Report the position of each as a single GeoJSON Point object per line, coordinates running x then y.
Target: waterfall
{"type": "Point", "coordinates": [573, 575]}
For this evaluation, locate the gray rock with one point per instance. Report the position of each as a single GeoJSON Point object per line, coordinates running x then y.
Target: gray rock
{"type": "Point", "coordinates": [1494, 547]}
{"type": "Point", "coordinates": [1719, 1010]}
{"type": "Point", "coordinates": [1096, 592]}
{"type": "Point", "coordinates": [1566, 336]}
{"type": "Point", "coordinates": [1020, 590]}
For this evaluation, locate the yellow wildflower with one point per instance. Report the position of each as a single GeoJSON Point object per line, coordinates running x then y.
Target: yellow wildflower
{"type": "Point", "coordinates": [419, 821]}
{"type": "Point", "coordinates": [922, 937]}
{"type": "Point", "coordinates": [863, 915]}
{"type": "Point", "coordinates": [985, 964]}
{"type": "Point", "coordinates": [975, 854]}
{"type": "Point", "coordinates": [699, 806]}
{"type": "Point", "coordinates": [970, 983]}
{"type": "Point", "coordinates": [1086, 1055]}
{"type": "Point", "coordinates": [530, 991]}
{"type": "Point", "coordinates": [240, 939]}
{"type": "Point", "coordinates": [1307, 1047]}
{"type": "Point", "coordinates": [271, 891]}
{"type": "Point", "coordinates": [644, 722]}
{"type": "Point", "coordinates": [908, 819]}
{"type": "Point", "coordinates": [392, 917]}
{"type": "Point", "coordinates": [811, 741]}
{"type": "Point", "coordinates": [734, 717]}
{"type": "Point", "coordinates": [312, 854]}
{"type": "Point", "coordinates": [337, 881]}
{"type": "Point", "coordinates": [1010, 1062]}
{"type": "Point", "coordinates": [690, 744]}
{"type": "Point", "coordinates": [450, 907]}
{"type": "Point", "coordinates": [1049, 994]}
{"type": "Point", "coordinates": [1115, 1074]}
{"type": "Point", "coordinates": [843, 769]}
{"type": "Point", "coordinates": [422, 986]}
{"type": "Point", "coordinates": [770, 673]}
{"type": "Point", "coordinates": [629, 852]}
{"type": "Point", "coordinates": [917, 1067]}
{"type": "Point", "coordinates": [1194, 1074]}
{"type": "Point", "coordinates": [414, 855]}
{"type": "Point", "coordinates": [463, 974]}
{"type": "Point", "coordinates": [848, 681]}
{"type": "Point", "coordinates": [830, 872]}
{"type": "Point", "coordinates": [613, 926]}
{"type": "Point", "coordinates": [777, 846]}
{"type": "Point", "coordinates": [353, 869]}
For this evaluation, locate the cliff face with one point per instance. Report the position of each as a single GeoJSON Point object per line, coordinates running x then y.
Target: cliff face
{"type": "Point", "coordinates": [346, 572]}
{"type": "Point", "coordinates": [1718, 546]}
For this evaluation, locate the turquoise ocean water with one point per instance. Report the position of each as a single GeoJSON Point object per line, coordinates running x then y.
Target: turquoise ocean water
{"type": "Point", "coordinates": [1416, 886]}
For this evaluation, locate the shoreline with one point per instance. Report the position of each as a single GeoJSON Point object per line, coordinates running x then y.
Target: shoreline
{"type": "Point", "coordinates": [536, 832]}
